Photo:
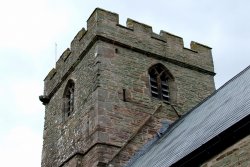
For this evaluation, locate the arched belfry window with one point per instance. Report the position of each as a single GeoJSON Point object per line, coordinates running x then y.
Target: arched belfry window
{"type": "Point", "coordinates": [160, 80]}
{"type": "Point", "coordinates": [69, 98]}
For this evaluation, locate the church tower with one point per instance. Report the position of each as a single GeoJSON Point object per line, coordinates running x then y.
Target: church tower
{"type": "Point", "coordinates": [116, 88]}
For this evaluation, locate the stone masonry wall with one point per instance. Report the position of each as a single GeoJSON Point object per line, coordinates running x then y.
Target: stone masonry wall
{"type": "Point", "coordinates": [123, 69]}
{"type": "Point", "coordinates": [62, 138]}
{"type": "Point", "coordinates": [114, 113]}
{"type": "Point", "coordinates": [236, 155]}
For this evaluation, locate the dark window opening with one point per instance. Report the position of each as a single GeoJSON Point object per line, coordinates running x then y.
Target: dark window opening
{"type": "Point", "coordinates": [116, 50]}
{"type": "Point", "coordinates": [69, 99]}
{"type": "Point", "coordinates": [124, 94]}
{"type": "Point", "coordinates": [159, 82]}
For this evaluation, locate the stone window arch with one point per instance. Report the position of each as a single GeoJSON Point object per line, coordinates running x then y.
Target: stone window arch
{"type": "Point", "coordinates": [161, 83]}
{"type": "Point", "coordinates": [68, 99]}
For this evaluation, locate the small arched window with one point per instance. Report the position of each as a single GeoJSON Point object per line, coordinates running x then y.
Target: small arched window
{"type": "Point", "coordinates": [69, 98]}
{"type": "Point", "coordinates": [159, 82]}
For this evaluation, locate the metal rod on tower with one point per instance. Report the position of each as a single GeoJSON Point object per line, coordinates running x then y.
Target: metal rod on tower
{"type": "Point", "coordinates": [55, 53]}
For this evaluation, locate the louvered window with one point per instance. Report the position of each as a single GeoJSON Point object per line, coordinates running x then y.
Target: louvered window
{"type": "Point", "coordinates": [69, 99]}
{"type": "Point", "coordinates": [159, 82]}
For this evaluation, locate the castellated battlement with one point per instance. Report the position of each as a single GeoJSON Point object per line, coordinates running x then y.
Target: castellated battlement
{"type": "Point", "coordinates": [104, 26]}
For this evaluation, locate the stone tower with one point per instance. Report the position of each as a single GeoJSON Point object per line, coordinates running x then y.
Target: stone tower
{"type": "Point", "coordinates": [114, 87]}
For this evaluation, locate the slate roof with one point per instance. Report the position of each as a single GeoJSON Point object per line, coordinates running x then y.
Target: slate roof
{"type": "Point", "coordinates": [223, 109]}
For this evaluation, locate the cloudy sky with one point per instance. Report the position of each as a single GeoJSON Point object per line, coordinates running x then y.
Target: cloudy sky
{"type": "Point", "coordinates": [30, 28]}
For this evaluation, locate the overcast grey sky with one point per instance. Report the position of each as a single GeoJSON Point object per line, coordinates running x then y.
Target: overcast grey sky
{"type": "Point", "coordinates": [30, 28]}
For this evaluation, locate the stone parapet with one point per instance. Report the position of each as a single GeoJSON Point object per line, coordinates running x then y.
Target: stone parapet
{"type": "Point", "coordinates": [104, 25]}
